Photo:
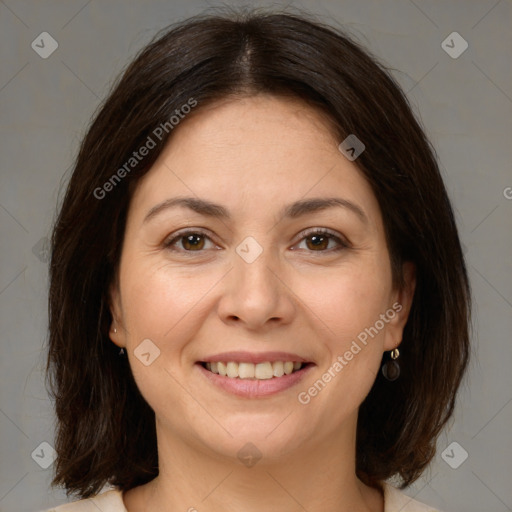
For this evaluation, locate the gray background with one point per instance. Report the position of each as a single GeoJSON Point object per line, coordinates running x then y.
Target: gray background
{"type": "Point", "coordinates": [464, 103]}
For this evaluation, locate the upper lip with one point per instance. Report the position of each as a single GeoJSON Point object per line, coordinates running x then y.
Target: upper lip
{"type": "Point", "coordinates": [253, 357]}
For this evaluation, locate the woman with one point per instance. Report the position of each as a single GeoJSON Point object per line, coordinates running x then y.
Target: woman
{"type": "Point", "coordinates": [258, 295]}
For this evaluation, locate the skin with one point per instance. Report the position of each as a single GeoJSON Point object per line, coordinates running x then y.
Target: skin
{"type": "Point", "coordinates": [254, 156]}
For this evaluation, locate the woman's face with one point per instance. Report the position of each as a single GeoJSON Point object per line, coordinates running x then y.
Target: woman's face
{"type": "Point", "coordinates": [254, 282]}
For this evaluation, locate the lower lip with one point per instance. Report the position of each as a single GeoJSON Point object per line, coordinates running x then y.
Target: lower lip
{"type": "Point", "coordinates": [253, 388]}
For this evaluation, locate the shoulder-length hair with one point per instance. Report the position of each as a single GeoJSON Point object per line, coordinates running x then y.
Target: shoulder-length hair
{"type": "Point", "coordinates": [105, 429]}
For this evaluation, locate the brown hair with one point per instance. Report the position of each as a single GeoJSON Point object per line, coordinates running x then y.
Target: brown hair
{"type": "Point", "coordinates": [106, 430]}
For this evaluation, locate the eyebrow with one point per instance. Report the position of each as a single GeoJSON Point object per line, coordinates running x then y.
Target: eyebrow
{"type": "Point", "coordinates": [291, 211]}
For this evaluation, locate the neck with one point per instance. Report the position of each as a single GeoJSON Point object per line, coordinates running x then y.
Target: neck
{"type": "Point", "coordinates": [318, 477]}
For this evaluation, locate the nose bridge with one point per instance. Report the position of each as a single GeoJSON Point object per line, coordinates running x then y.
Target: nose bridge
{"type": "Point", "coordinates": [255, 294]}
{"type": "Point", "coordinates": [253, 277]}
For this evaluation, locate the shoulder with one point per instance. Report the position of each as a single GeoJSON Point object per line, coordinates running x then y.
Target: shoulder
{"type": "Point", "coordinates": [108, 501]}
{"type": "Point", "coordinates": [397, 501]}
{"type": "Point", "coordinates": [112, 501]}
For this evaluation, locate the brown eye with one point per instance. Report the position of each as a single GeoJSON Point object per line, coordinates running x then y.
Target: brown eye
{"type": "Point", "coordinates": [190, 241]}
{"type": "Point", "coordinates": [318, 241]}
{"type": "Point", "coordinates": [193, 242]}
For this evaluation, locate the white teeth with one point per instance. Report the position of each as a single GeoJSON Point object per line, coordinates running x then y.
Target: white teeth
{"type": "Point", "coordinates": [232, 370]}
{"type": "Point", "coordinates": [222, 369]}
{"type": "Point", "coordinates": [278, 369]}
{"type": "Point", "coordinates": [245, 370]}
{"type": "Point", "coordinates": [262, 371]}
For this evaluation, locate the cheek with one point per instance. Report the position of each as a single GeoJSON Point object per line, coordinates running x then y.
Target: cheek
{"type": "Point", "coordinates": [348, 307]}
{"type": "Point", "coordinates": [161, 310]}
{"type": "Point", "coordinates": [353, 346]}
{"type": "Point", "coordinates": [158, 301]}
{"type": "Point", "coordinates": [348, 301]}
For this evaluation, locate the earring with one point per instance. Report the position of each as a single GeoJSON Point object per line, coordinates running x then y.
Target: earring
{"type": "Point", "coordinates": [121, 352]}
{"type": "Point", "coordinates": [391, 369]}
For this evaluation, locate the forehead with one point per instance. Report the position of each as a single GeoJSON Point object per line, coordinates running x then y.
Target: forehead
{"type": "Point", "coordinates": [254, 152]}
{"type": "Point", "coordinates": [251, 116]}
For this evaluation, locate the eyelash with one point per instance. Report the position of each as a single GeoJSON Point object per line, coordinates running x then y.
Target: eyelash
{"type": "Point", "coordinates": [168, 244]}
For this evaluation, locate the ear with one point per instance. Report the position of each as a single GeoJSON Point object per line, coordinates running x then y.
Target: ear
{"type": "Point", "coordinates": [401, 305]}
{"type": "Point", "coordinates": [116, 331]}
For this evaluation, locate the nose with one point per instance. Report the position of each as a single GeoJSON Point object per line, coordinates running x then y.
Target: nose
{"type": "Point", "coordinates": [256, 293]}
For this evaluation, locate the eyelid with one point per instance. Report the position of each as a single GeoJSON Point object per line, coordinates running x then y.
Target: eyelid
{"type": "Point", "coordinates": [342, 241]}
{"type": "Point", "coordinates": [168, 242]}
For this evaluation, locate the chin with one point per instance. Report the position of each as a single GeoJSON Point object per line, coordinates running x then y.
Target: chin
{"type": "Point", "coordinates": [265, 437]}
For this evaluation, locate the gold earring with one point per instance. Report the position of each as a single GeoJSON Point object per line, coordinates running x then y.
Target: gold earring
{"type": "Point", "coordinates": [391, 369]}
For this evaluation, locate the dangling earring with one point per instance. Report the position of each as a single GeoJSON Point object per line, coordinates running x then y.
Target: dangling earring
{"type": "Point", "coordinates": [391, 369]}
{"type": "Point", "coordinates": [121, 352]}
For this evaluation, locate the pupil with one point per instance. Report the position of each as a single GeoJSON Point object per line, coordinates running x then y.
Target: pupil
{"type": "Point", "coordinates": [317, 240]}
{"type": "Point", "coordinates": [190, 240]}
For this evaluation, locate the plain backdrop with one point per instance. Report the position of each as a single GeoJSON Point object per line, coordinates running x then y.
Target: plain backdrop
{"type": "Point", "coordinates": [463, 100]}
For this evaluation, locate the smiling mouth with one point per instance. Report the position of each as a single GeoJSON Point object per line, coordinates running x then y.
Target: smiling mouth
{"type": "Point", "coordinates": [259, 371]}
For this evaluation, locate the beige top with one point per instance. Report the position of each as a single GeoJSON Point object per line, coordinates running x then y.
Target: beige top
{"type": "Point", "coordinates": [112, 501]}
